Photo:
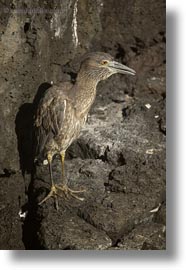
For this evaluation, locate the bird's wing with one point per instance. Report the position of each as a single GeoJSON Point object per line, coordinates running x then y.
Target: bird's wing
{"type": "Point", "coordinates": [49, 117]}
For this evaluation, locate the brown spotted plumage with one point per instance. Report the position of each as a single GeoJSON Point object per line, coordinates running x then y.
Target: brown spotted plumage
{"type": "Point", "coordinates": [63, 111]}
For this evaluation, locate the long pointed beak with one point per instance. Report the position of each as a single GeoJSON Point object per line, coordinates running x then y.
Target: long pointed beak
{"type": "Point", "coordinates": [120, 68]}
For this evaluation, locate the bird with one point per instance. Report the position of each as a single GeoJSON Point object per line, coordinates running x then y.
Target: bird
{"type": "Point", "coordinates": [63, 111]}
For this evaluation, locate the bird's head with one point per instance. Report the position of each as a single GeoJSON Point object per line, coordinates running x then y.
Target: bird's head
{"type": "Point", "coordinates": [100, 66]}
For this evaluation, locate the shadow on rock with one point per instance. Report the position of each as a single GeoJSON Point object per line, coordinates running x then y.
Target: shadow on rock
{"type": "Point", "coordinates": [24, 130]}
{"type": "Point", "coordinates": [26, 148]}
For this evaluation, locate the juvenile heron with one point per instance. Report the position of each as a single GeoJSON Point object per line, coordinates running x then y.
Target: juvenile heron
{"type": "Point", "coordinates": [63, 111]}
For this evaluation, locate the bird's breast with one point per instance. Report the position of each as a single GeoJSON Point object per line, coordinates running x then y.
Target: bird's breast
{"type": "Point", "coordinates": [80, 122]}
{"type": "Point", "coordinates": [72, 125]}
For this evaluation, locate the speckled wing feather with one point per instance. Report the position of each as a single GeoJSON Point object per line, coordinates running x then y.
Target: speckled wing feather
{"type": "Point", "coordinates": [49, 116]}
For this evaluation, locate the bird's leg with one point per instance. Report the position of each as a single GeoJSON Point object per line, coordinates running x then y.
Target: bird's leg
{"type": "Point", "coordinates": [64, 187]}
{"type": "Point", "coordinates": [53, 191]}
{"type": "Point", "coordinates": [59, 190]}
{"type": "Point", "coordinates": [64, 181]}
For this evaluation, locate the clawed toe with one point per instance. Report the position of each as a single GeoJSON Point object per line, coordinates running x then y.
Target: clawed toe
{"type": "Point", "coordinates": [76, 191]}
{"type": "Point", "coordinates": [52, 193]}
{"type": "Point", "coordinates": [78, 198]}
{"type": "Point", "coordinates": [69, 192]}
{"type": "Point", "coordinates": [62, 191]}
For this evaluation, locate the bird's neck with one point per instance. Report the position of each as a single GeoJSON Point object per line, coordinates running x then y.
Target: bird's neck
{"type": "Point", "coordinates": [84, 92]}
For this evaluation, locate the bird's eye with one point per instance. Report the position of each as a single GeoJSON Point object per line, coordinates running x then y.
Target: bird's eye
{"type": "Point", "coordinates": [104, 62]}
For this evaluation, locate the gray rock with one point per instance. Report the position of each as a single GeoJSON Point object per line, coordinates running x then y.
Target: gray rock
{"type": "Point", "coordinates": [12, 197]}
{"type": "Point", "coordinates": [144, 237]}
{"type": "Point", "coordinates": [68, 231]}
{"type": "Point", "coordinates": [118, 197]}
{"type": "Point", "coordinates": [120, 157]}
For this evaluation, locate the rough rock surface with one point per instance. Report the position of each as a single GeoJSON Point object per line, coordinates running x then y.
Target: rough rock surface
{"type": "Point", "coordinates": [119, 158]}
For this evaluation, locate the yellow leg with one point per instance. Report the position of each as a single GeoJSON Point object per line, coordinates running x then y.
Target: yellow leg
{"type": "Point", "coordinates": [62, 154]}
{"type": "Point", "coordinates": [49, 158]}
{"type": "Point", "coordinates": [62, 189]}
{"type": "Point", "coordinates": [53, 191]}
{"type": "Point", "coordinates": [64, 186]}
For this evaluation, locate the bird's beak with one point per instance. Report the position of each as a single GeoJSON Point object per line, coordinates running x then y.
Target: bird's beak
{"type": "Point", "coordinates": [120, 68]}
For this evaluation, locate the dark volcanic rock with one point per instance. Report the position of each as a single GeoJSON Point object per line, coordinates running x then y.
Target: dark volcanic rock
{"type": "Point", "coordinates": [145, 237]}
{"type": "Point", "coordinates": [119, 158]}
{"type": "Point", "coordinates": [68, 231]}
{"type": "Point", "coordinates": [122, 186]}
{"type": "Point", "coordinates": [12, 197]}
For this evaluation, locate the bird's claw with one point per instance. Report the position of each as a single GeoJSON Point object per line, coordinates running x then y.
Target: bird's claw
{"type": "Point", "coordinates": [68, 191]}
{"type": "Point", "coordinates": [64, 190]}
{"type": "Point", "coordinates": [52, 193]}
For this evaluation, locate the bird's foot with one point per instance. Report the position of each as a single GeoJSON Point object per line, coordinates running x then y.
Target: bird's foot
{"type": "Point", "coordinates": [70, 192]}
{"type": "Point", "coordinates": [53, 193]}
{"type": "Point", "coordinates": [61, 191]}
